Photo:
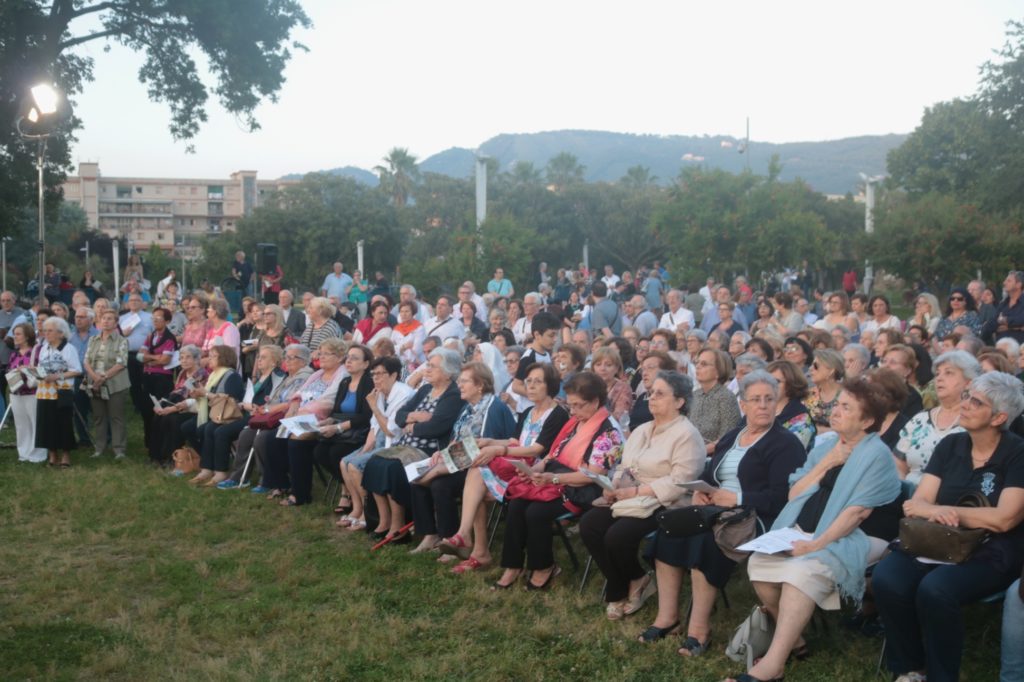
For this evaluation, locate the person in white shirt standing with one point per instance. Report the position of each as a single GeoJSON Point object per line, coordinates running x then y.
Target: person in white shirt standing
{"type": "Point", "coordinates": [677, 314]}
{"type": "Point", "coordinates": [521, 329]}
{"type": "Point", "coordinates": [610, 278]}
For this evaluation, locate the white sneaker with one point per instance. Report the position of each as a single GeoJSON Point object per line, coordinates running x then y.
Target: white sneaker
{"type": "Point", "coordinates": [912, 677]}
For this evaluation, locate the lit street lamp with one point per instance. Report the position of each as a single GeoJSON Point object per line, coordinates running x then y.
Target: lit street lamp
{"type": "Point", "coordinates": [38, 124]}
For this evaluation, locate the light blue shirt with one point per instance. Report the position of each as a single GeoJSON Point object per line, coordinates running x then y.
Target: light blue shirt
{"type": "Point", "coordinates": [337, 285]}
{"type": "Point", "coordinates": [81, 344]}
{"type": "Point", "coordinates": [138, 335]}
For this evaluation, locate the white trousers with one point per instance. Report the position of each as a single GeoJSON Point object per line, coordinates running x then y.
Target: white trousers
{"type": "Point", "coordinates": [24, 409]}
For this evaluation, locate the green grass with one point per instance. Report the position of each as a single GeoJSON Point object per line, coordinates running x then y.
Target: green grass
{"type": "Point", "coordinates": [113, 570]}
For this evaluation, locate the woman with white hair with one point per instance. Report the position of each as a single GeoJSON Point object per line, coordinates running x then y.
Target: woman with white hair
{"type": "Point", "coordinates": [59, 364]}
{"type": "Point", "coordinates": [321, 324]}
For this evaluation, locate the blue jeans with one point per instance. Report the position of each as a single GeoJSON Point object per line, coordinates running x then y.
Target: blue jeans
{"type": "Point", "coordinates": [920, 605]}
{"type": "Point", "coordinates": [1012, 664]}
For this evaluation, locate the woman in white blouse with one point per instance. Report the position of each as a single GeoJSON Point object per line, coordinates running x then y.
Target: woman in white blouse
{"type": "Point", "coordinates": [59, 365]}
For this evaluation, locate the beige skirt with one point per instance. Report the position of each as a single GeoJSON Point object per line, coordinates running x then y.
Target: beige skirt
{"type": "Point", "coordinates": [806, 574]}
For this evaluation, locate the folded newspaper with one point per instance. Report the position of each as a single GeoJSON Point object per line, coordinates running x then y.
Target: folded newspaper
{"type": "Point", "coordinates": [458, 456]}
{"type": "Point", "coordinates": [299, 425]}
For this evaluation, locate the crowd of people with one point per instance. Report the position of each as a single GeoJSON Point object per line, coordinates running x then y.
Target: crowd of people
{"type": "Point", "coordinates": [618, 401]}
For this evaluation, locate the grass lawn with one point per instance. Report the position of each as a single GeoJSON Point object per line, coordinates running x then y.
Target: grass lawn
{"type": "Point", "coordinates": [114, 570]}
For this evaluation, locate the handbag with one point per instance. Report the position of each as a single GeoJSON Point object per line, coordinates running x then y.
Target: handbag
{"type": "Point", "coordinates": [582, 496]}
{"type": "Point", "coordinates": [735, 527]}
{"type": "Point", "coordinates": [639, 507]}
{"type": "Point", "coordinates": [931, 540]}
{"type": "Point", "coordinates": [223, 408]}
{"type": "Point", "coordinates": [265, 421]}
{"type": "Point", "coordinates": [751, 639]}
{"type": "Point", "coordinates": [65, 398]}
{"type": "Point", "coordinates": [186, 460]}
{"type": "Point", "coordinates": [687, 521]}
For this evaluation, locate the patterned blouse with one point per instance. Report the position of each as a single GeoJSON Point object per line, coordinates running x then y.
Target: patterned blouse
{"type": "Point", "coordinates": [821, 410]}
{"type": "Point", "coordinates": [58, 361]}
{"type": "Point", "coordinates": [714, 413]}
{"type": "Point", "coordinates": [918, 440]}
{"type": "Point", "coordinates": [102, 354]}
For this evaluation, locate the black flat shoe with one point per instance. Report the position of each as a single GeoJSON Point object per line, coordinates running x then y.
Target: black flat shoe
{"type": "Point", "coordinates": [377, 535]}
{"type": "Point", "coordinates": [530, 587]}
{"type": "Point", "coordinates": [399, 538]}
{"type": "Point", "coordinates": [654, 633]}
{"type": "Point", "coordinates": [744, 677]}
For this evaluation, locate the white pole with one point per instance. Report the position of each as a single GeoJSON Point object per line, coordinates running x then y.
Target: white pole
{"type": "Point", "coordinates": [3, 253]}
{"type": "Point", "coordinates": [586, 255]}
{"type": "Point", "coordinates": [481, 201]}
{"type": "Point", "coordinates": [869, 228]}
{"type": "Point", "coordinates": [359, 258]}
{"type": "Point", "coordinates": [117, 271]}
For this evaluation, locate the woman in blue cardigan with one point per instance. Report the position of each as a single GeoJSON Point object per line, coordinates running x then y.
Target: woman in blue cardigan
{"type": "Point", "coordinates": [435, 507]}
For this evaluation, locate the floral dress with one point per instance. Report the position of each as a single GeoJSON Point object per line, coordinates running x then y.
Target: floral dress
{"type": "Point", "coordinates": [918, 440]}
{"type": "Point", "coordinates": [821, 410]}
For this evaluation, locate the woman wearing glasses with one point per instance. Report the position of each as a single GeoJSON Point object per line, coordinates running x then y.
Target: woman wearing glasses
{"type": "Point", "coordinates": [921, 603]}
{"type": "Point", "coordinates": [827, 373]}
{"type": "Point", "coordinates": [960, 312]}
{"type": "Point", "coordinates": [197, 325]}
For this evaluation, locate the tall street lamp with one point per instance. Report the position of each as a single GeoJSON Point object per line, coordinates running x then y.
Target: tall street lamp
{"type": "Point", "coordinates": [38, 124]}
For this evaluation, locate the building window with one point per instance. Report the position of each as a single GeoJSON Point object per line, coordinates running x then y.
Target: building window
{"type": "Point", "coordinates": [214, 225]}
{"type": "Point", "coordinates": [215, 191]}
{"type": "Point", "coordinates": [159, 237]}
{"type": "Point", "coordinates": [124, 191]}
{"type": "Point", "coordinates": [215, 208]}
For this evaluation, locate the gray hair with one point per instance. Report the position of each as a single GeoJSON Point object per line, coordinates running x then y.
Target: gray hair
{"type": "Point", "coordinates": [1010, 346]}
{"type": "Point", "coordinates": [220, 306]}
{"type": "Point", "coordinates": [534, 296]}
{"type": "Point", "coordinates": [410, 288]}
{"type": "Point", "coordinates": [191, 350]}
{"type": "Point", "coordinates": [860, 350]}
{"type": "Point", "coordinates": [518, 350]}
{"type": "Point", "coordinates": [750, 361]}
{"type": "Point", "coordinates": [843, 330]}
{"type": "Point", "coordinates": [962, 360]}
{"type": "Point", "coordinates": [590, 336]}
{"type": "Point", "coordinates": [973, 342]}
{"type": "Point", "coordinates": [743, 335]}
{"type": "Point", "coordinates": [91, 314]}
{"type": "Point", "coordinates": [681, 386]}
{"type": "Point", "coordinates": [698, 334]}
{"type": "Point", "coordinates": [759, 376]}
{"type": "Point", "coordinates": [61, 325]}
{"type": "Point", "coordinates": [499, 312]}
{"type": "Point", "coordinates": [455, 343]}
{"type": "Point", "coordinates": [1006, 393]}
{"type": "Point", "coordinates": [451, 361]}
{"type": "Point", "coordinates": [301, 350]}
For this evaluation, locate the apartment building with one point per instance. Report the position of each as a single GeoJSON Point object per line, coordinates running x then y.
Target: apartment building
{"type": "Point", "coordinates": [169, 212]}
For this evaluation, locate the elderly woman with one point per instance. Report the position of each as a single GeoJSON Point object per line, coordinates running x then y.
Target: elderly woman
{"type": "Point", "coordinates": [177, 408]}
{"type": "Point", "coordinates": [927, 313]}
{"type": "Point", "coordinates": [790, 410]}
{"type": "Point", "coordinates": [894, 388]}
{"type": "Point", "coordinates": [435, 500]}
{"type": "Point", "coordinates": [59, 364]}
{"type": "Point", "coordinates": [750, 466]}
{"type": "Point", "coordinates": [197, 326]}
{"type": "Point", "coordinates": [961, 311]}
{"type": "Point", "coordinates": [374, 326]}
{"type": "Point", "coordinates": [607, 364]}
{"type": "Point", "coordinates": [714, 411]}
{"type": "Point", "coordinates": [496, 320]}
{"type": "Point", "coordinates": [658, 457]}
{"type": "Point", "coordinates": [765, 316]}
{"type": "Point", "coordinates": [650, 367]}
{"type": "Point", "coordinates": [954, 371]}
{"type": "Point", "coordinates": [266, 412]}
{"type": "Point", "coordinates": [426, 422]}
{"type": "Point", "coordinates": [471, 324]}
{"type": "Point", "coordinates": [106, 364]}
{"type": "Point", "coordinates": [881, 316]}
{"type": "Point", "coordinates": [388, 396]}
{"type": "Point", "coordinates": [837, 306]}
{"type": "Point", "coordinates": [537, 429]}
{"type": "Point", "coordinates": [316, 397]}
{"type": "Point", "coordinates": [832, 500]}
{"type": "Point", "coordinates": [157, 352]}
{"type": "Point", "coordinates": [322, 325]}
{"type": "Point", "coordinates": [738, 343]}
{"type": "Point", "coordinates": [408, 335]}
{"type": "Point", "coordinates": [827, 373]}
{"type": "Point", "coordinates": [921, 603]}
{"type": "Point", "coordinates": [223, 381]}
{"type": "Point", "coordinates": [745, 364]}
{"type": "Point", "coordinates": [591, 441]}
{"type": "Point", "coordinates": [23, 400]}
{"type": "Point", "coordinates": [221, 332]}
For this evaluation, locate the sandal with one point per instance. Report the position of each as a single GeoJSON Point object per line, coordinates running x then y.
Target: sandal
{"type": "Point", "coordinates": [654, 633]}
{"type": "Point", "coordinates": [693, 647]}
{"type": "Point", "coordinates": [343, 508]}
{"type": "Point", "coordinates": [456, 545]}
{"type": "Point", "coordinates": [546, 585]}
{"type": "Point", "coordinates": [275, 494]}
{"type": "Point", "coordinates": [289, 502]}
{"type": "Point", "coordinates": [357, 524]}
{"type": "Point", "coordinates": [498, 585]}
{"type": "Point", "coordinates": [344, 521]}
{"type": "Point", "coordinates": [470, 564]}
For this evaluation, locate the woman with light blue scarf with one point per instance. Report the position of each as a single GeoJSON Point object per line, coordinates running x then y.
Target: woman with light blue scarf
{"type": "Point", "coordinates": [843, 481]}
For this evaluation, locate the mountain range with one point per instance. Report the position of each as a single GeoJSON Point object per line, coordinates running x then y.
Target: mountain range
{"type": "Point", "coordinates": [830, 166]}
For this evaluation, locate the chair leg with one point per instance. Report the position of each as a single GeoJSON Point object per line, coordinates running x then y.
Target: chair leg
{"type": "Point", "coordinates": [560, 531]}
{"type": "Point", "coordinates": [494, 520]}
{"type": "Point", "coordinates": [332, 490]}
{"type": "Point", "coordinates": [881, 658]}
{"type": "Point", "coordinates": [586, 573]}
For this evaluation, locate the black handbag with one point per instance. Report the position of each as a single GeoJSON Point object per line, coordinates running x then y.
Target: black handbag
{"type": "Point", "coordinates": [352, 436]}
{"type": "Point", "coordinates": [65, 398]}
{"type": "Point", "coordinates": [582, 496]}
{"type": "Point", "coordinates": [687, 521]}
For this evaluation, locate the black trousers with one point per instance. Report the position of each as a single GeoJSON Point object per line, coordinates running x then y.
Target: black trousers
{"type": "Point", "coordinates": [615, 544]}
{"type": "Point", "coordinates": [216, 441]}
{"type": "Point", "coordinates": [275, 464]}
{"type": "Point", "coordinates": [300, 469]}
{"type": "Point", "coordinates": [329, 451]}
{"type": "Point", "coordinates": [168, 435]}
{"type": "Point", "coordinates": [435, 507]}
{"type": "Point", "coordinates": [138, 390]}
{"type": "Point", "coordinates": [529, 530]}
{"type": "Point", "coordinates": [159, 386]}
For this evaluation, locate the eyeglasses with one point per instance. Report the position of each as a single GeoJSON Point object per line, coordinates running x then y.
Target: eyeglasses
{"type": "Point", "coordinates": [660, 394]}
{"type": "Point", "coordinates": [956, 298]}
{"type": "Point", "coordinates": [976, 403]}
{"type": "Point", "coordinates": [763, 400]}
{"type": "Point", "coordinates": [355, 358]}
{"type": "Point", "coordinates": [292, 357]}
{"type": "Point", "coordinates": [378, 373]}
{"type": "Point", "coordinates": [511, 361]}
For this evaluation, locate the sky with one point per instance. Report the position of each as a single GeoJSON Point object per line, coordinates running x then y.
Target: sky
{"type": "Point", "coordinates": [433, 75]}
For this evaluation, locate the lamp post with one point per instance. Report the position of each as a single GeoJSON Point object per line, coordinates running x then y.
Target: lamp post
{"type": "Point", "coordinates": [3, 256]}
{"type": "Point", "coordinates": [181, 247]}
{"type": "Point", "coordinates": [43, 106]}
{"type": "Point", "coordinates": [869, 223]}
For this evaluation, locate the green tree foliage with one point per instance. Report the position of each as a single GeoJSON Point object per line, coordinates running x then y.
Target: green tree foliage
{"type": "Point", "coordinates": [398, 176]}
{"type": "Point", "coordinates": [313, 224]}
{"type": "Point", "coordinates": [639, 178]}
{"type": "Point", "coordinates": [564, 170]}
{"type": "Point", "coordinates": [245, 49]}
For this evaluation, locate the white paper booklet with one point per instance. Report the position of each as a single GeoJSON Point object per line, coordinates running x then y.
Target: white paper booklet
{"type": "Point", "coordinates": [775, 541]}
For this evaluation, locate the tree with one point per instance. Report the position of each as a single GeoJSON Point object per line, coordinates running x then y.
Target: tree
{"type": "Point", "coordinates": [399, 176]}
{"type": "Point", "coordinates": [563, 170]}
{"type": "Point", "coordinates": [639, 178]}
{"type": "Point", "coordinates": [245, 48]}
{"type": "Point", "coordinates": [524, 173]}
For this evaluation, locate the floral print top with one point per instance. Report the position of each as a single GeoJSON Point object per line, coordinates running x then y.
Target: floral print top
{"type": "Point", "coordinates": [821, 410]}
{"type": "Point", "coordinates": [918, 440]}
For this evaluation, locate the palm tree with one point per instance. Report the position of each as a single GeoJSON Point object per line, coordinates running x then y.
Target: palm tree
{"type": "Point", "coordinates": [399, 176]}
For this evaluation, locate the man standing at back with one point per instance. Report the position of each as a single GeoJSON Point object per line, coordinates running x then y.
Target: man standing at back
{"type": "Point", "coordinates": [243, 271]}
{"type": "Point", "coordinates": [653, 288]}
{"type": "Point", "coordinates": [136, 325]}
{"type": "Point", "coordinates": [500, 286]}
{"type": "Point", "coordinates": [604, 316]}
{"type": "Point", "coordinates": [407, 294]}
{"type": "Point", "coordinates": [676, 314]}
{"type": "Point", "coordinates": [336, 283]}
{"type": "Point", "coordinates": [521, 329]}
{"type": "Point", "coordinates": [643, 319]}
{"type": "Point", "coordinates": [610, 279]}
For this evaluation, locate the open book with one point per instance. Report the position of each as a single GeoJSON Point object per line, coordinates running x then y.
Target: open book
{"type": "Point", "coordinates": [458, 456]}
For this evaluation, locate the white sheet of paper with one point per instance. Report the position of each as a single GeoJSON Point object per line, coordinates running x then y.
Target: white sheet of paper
{"type": "Point", "coordinates": [698, 486]}
{"type": "Point", "coordinates": [300, 425]}
{"type": "Point", "coordinates": [602, 481]}
{"type": "Point", "coordinates": [775, 541]}
{"type": "Point", "coordinates": [156, 403]}
{"type": "Point", "coordinates": [523, 467]}
{"type": "Point", "coordinates": [175, 361]}
{"type": "Point", "coordinates": [130, 321]}
{"type": "Point", "coordinates": [250, 391]}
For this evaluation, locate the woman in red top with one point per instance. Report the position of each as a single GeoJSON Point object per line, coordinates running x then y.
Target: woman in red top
{"type": "Point", "coordinates": [368, 328]}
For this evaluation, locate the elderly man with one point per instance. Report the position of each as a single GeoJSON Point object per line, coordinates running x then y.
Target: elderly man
{"type": "Point", "coordinates": [136, 325]}
{"type": "Point", "coordinates": [521, 330]}
{"type": "Point", "coordinates": [467, 294]}
{"type": "Point", "coordinates": [677, 314]}
{"type": "Point", "coordinates": [9, 311]}
{"type": "Point", "coordinates": [443, 324]}
{"type": "Point", "coordinates": [243, 271]}
{"type": "Point", "coordinates": [803, 308]}
{"type": "Point", "coordinates": [407, 294]}
{"type": "Point", "coordinates": [1010, 313]}
{"type": "Point", "coordinates": [294, 319]}
{"type": "Point", "coordinates": [856, 359]}
{"type": "Point", "coordinates": [336, 283]}
{"type": "Point", "coordinates": [83, 330]}
{"type": "Point", "coordinates": [643, 319]}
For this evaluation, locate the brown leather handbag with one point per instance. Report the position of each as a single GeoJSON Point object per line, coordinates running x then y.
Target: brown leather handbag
{"type": "Point", "coordinates": [223, 408]}
{"type": "Point", "coordinates": [935, 541]}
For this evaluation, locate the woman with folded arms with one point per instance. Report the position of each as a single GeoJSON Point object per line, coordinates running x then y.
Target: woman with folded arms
{"type": "Point", "coordinates": [659, 455]}
{"type": "Point", "coordinates": [537, 428]}
{"type": "Point", "coordinates": [197, 325]}
{"type": "Point", "coordinates": [177, 408]}
{"type": "Point", "coordinates": [435, 505]}
{"type": "Point", "coordinates": [225, 381]}
{"type": "Point", "coordinates": [833, 499]}
{"type": "Point", "coordinates": [590, 440]}
{"type": "Point", "coordinates": [921, 603]}
{"type": "Point", "coordinates": [106, 366]}
{"type": "Point", "coordinates": [426, 421]}
{"type": "Point", "coordinates": [255, 439]}
{"type": "Point", "coordinates": [750, 467]}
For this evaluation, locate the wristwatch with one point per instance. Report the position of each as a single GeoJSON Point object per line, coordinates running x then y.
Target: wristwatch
{"type": "Point", "coordinates": [554, 479]}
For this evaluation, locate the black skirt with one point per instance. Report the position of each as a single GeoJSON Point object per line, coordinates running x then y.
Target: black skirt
{"type": "Point", "coordinates": [54, 429]}
{"type": "Point", "coordinates": [697, 551]}
{"type": "Point", "coordinates": [385, 476]}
